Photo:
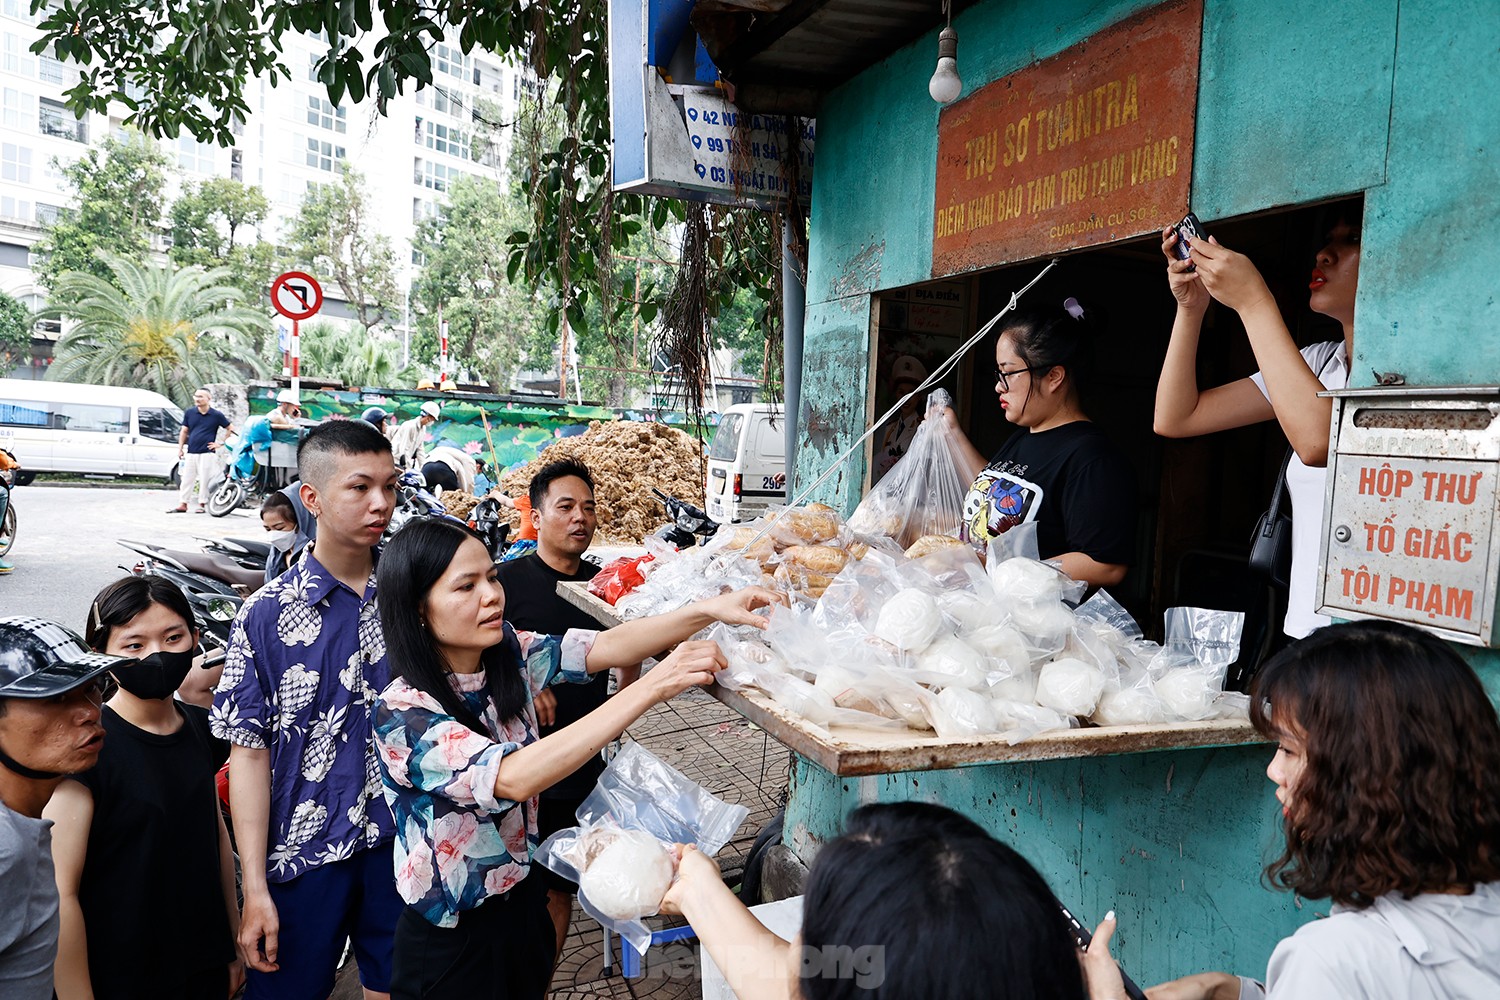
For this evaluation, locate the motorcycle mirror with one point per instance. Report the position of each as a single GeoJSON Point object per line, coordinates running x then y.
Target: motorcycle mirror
{"type": "Point", "coordinates": [221, 609]}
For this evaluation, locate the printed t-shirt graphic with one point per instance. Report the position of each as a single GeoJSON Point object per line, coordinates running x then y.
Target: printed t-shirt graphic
{"type": "Point", "coordinates": [999, 500]}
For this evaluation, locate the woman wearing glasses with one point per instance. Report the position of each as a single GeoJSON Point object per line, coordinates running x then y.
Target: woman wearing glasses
{"type": "Point", "coordinates": [1058, 470]}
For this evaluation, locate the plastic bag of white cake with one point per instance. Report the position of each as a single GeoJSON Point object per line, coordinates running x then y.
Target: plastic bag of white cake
{"type": "Point", "coordinates": [620, 853]}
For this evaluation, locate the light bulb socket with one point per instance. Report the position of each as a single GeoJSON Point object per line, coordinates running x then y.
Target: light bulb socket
{"type": "Point", "coordinates": [948, 43]}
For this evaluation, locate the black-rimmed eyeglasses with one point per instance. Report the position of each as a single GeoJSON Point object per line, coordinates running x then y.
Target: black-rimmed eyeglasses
{"type": "Point", "coordinates": [1003, 377]}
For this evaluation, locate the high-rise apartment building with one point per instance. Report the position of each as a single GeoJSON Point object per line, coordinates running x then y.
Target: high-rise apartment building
{"type": "Point", "coordinates": [292, 139]}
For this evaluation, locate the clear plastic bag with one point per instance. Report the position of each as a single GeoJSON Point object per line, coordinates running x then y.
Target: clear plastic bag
{"type": "Point", "coordinates": [923, 493]}
{"type": "Point", "coordinates": [1188, 674]}
{"type": "Point", "coordinates": [638, 792]}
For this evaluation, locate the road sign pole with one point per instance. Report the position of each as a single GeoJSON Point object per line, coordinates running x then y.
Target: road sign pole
{"type": "Point", "coordinates": [296, 358]}
{"type": "Point", "coordinates": [442, 348]}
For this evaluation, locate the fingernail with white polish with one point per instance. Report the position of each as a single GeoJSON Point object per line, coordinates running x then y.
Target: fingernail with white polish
{"type": "Point", "coordinates": [1110, 915]}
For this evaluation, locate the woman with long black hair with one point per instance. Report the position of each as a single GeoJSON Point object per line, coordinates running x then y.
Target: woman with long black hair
{"type": "Point", "coordinates": [463, 765]}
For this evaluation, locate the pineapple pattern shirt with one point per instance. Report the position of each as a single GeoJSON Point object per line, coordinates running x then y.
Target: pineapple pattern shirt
{"type": "Point", "coordinates": [457, 844]}
{"type": "Point", "coordinates": [305, 661]}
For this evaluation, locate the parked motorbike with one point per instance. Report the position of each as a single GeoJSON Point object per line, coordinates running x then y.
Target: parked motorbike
{"type": "Point", "coordinates": [209, 573]}
{"type": "Point", "coordinates": [12, 479]}
{"type": "Point", "coordinates": [493, 527]}
{"type": "Point", "coordinates": [248, 552]}
{"type": "Point", "coordinates": [413, 501]}
{"type": "Point", "coordinates": [690, 525]}
{"type": "Point", "coordinates": [243, 482]}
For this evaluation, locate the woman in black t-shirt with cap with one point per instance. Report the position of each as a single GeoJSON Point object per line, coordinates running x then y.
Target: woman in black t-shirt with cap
{"type": "Point", "coordinates": [1058, 470]}
{"type": "Point", "coordinates": [144, 866]}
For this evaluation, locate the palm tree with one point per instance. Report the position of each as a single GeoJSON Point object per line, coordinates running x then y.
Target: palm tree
{"type": "Point", "coordinates": [167, 329]}
{"type": "Point", "coordinates": [348, 355]}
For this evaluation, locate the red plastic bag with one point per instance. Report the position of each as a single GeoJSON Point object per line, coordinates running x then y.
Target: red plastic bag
{"type": "Point", "coordinates": [619, 578]}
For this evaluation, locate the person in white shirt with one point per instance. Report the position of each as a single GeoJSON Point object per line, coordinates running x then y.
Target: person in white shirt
{"type": "Point", "coordinates": [1286, 387]}
{"type": "Point", "coordinates": [1387, 753]}
{"type": "Point", "coordinates": [408, 440]}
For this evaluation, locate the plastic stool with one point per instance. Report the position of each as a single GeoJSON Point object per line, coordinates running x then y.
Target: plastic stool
{"type": "Point", "coordinates": [632, 962]}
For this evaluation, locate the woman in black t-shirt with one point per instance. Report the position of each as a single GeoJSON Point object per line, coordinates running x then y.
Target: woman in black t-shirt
{"type": "Point", "coordinates": [144, 867]}
{"type": "Point", "coordinates": [1059, 470]}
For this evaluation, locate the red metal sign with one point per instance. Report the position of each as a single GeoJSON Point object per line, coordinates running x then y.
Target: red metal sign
{"type": "Point", "coordinates": [296, 295]}
{"type": "Point", "coordinates": [1090, 146]}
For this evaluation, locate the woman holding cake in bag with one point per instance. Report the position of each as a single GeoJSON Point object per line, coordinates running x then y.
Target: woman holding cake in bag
{"type": "Point", "coordinates": [1286, 387]}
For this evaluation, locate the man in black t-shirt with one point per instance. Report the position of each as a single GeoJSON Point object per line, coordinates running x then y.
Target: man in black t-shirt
{"type": "Point", "coordinates": [562, 509]}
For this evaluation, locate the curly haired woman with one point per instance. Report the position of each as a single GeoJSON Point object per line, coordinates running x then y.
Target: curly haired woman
{"type": "Point", "coordinates": [1387, 769]}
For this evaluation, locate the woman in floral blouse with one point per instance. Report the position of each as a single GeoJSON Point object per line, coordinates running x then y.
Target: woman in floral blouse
{"type": "Point", "coordinates": [462, 763]}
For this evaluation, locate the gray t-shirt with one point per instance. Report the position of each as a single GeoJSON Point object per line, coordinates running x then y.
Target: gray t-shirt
{"type": "Point", "coordinates": [28, 919]}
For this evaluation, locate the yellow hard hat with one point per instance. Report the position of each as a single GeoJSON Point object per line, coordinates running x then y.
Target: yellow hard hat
{"type": "Point", "coordinates": [426, 383]}
{"type": "Point", "coordinates": [448, 385]}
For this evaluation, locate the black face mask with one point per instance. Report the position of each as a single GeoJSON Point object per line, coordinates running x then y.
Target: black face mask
{"type": "Point", "coordinates": [155, 676]}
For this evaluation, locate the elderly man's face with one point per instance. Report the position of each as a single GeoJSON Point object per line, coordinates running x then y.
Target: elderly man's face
{"type": "Point", "coordinates": [61, 735]}
{"type": "Point", "coordinates": [201, 399]}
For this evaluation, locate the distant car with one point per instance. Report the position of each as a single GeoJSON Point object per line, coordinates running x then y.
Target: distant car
{"type": "Point", "coordinates": [746, 463]}
{"type": "Point", "coordinates": [94, 429]}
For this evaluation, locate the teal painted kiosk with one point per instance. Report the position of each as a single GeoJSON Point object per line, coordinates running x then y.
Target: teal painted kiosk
{"type": "Point", "coordinates": [924, 218]}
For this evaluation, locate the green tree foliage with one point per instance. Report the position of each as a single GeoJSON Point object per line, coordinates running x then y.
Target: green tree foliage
{"type": "Point", "coordinates": [16, 322]}
{"type": "Point", "coordinates": [490, 319]}
{"type": "Point", "coordinates": [334, 236]}
{"type": "Point", "coordinates": [217, 224]}
{"type": "Point", "coordinates": [155, 327]}
{"type": "Point", "coordinates": [185, 65]}
{"type": "Point", "coordinates": [350, 356]}
{"type": "Point", "coordinates": [117, 200]}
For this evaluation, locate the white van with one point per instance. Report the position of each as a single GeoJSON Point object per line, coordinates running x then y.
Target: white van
{"type": "Point", "coordinates": [96, 429]}
{"type": "Point", "coordinates": [746, 463]}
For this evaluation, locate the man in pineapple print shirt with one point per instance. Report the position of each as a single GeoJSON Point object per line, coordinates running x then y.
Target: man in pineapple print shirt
{"type": "Point", "coordinates": [305, 661]}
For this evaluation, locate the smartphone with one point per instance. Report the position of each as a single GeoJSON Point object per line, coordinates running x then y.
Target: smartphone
{"type": "Point", "coordinates": [1188, 230]}
{"type": "Point", "coordinates": [1083, 937]}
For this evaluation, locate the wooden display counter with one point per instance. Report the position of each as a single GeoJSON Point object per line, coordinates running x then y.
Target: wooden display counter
{"type": "Point", "coordinates": [850, 751]}
{"type": "Point", "coordinates": [1166, 825]}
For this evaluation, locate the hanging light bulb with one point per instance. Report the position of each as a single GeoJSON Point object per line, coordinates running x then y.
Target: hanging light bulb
{"type": "Point", "coordinates": [945, 85]}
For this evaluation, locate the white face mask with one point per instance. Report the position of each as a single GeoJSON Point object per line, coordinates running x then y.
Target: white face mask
{"type": "Point", "coordinates": [281, 541]}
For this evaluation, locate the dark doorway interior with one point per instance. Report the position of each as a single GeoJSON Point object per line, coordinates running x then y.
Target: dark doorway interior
{"type": "Point", "coordinates": [1199, 498]}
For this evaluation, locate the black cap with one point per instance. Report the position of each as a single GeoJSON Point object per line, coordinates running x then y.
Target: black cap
{"type": "Point", "coordinates": [374, 415]}
{"type": "Point", "coordinates": [39, 659]}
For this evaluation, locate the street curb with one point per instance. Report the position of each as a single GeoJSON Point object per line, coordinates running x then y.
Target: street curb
{"type": "Point", "coordinates": [97, 486]}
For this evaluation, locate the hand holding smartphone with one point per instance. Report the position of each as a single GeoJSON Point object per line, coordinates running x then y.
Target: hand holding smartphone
{"type": "Point", "coordinates": [1083, 937]}
{"type": "Point", "coordinates": [1188, 231]}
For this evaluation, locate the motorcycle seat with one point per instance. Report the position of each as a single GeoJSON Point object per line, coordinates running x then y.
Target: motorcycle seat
{"type": "Point", "coordinates": [219, 568]}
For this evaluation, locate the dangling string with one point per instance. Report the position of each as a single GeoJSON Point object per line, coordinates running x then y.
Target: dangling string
{"type": "Point", "coordinates": [937, 376]}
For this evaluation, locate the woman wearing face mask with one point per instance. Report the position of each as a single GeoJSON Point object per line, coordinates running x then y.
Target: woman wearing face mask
{"type": "Point", "coordinates": [1058, 469]}
{"type": "Point", "coordinates": [1286, 387]}
{"type": "Point", "coordinates": [278, 514]}
{"type": "Point", "coordinates": [144, 866]}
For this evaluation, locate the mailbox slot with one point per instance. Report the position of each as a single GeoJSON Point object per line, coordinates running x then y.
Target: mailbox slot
{"type": "Point", "coordinates": [1410, 532]}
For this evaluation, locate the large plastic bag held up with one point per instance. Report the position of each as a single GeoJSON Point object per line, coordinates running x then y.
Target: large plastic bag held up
{"type": "Point", "coordinates": [923, 493]}
{"type": "Point", "coordinates": [619, 853]}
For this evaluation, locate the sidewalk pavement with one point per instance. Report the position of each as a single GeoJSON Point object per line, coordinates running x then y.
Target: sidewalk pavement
{"type": "Point", "coordinates": [737, 761]}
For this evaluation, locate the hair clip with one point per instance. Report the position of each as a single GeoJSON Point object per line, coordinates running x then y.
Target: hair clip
{"type": "Point", "coordinates": [98, 618]}
{"type": "Point", "coordinates": [1071, 306]}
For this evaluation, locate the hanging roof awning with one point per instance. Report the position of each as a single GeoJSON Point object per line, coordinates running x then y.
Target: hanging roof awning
{"type": "Point", "coordinates": [783, 56]}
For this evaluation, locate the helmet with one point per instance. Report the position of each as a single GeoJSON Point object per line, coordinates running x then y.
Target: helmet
{"type": "Point", "coordinates": [426, 383]}
{"type": "Point", "coordinates": [376, 416]}
{"type": "Point", "coordinates": [432, 409]}
{"type": "Point", "coordinates": [448, 385]}
{"type": "Point", "coordinates": [39, 658]}
{"type": "Point", "coordinates": [287, 396]}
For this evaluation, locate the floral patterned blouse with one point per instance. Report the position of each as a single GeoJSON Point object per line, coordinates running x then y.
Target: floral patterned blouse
{"type": "Point", "coordinates": [456, 843]}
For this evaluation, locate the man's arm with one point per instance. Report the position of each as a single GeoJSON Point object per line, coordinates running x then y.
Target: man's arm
{"type": "Point", "coordinates": [250, 807]}
{"type": "Point", "coordinates": [182, 436]}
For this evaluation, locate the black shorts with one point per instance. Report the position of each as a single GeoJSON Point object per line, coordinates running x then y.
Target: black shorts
{"type": "Point", "coordinates": [554, 815]}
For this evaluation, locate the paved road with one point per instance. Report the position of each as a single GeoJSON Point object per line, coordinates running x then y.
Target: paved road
{"type": "Point", "coordinates": [65, 547]}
